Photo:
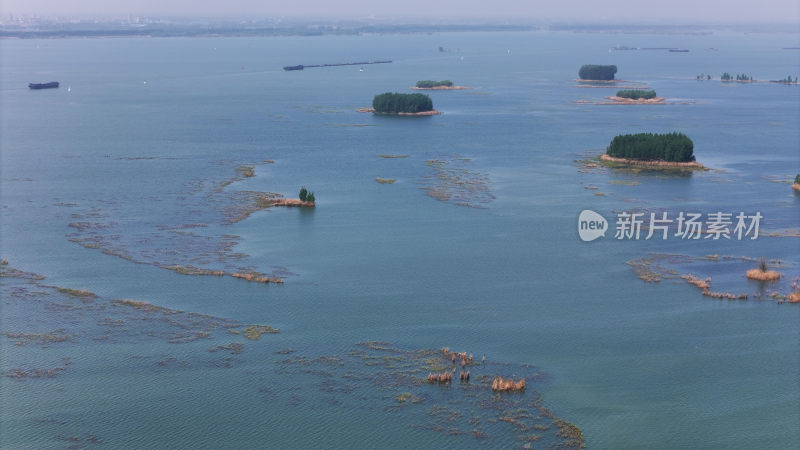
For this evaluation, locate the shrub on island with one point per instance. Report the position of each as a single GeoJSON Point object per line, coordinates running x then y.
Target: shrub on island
{"type": "Point", "coordinates": [597, 72]}
{"type": "Point", "coordinates": [431, 83]}
{"type": "Point", "coordinates": [636, 94]}
{"type": "Point", "coordinates": [394, 103]}
{"type": "Point", "coordinates": [797, 179]}
{"type": "Point", "coordinates": [306, 196]}
{"type": "Point", "coordinates": [671, 147]}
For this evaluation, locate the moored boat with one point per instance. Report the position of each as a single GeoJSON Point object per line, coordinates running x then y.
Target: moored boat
{"type": "Point", "coordinates": [50, 85]}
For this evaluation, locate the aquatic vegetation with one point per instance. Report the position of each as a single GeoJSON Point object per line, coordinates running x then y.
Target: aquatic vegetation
{"type": "Point", "coordinates": [500, 384]}
{"type": "Point", "coordinates": [407, 397]}
{"type": "Point", "coordinates": [385, 180]}
{"type": "Point", "coordinates": [22, 339]}
{"type": "Point", "coordinates": [234, 348]}
{"type": "Point", "coordinates": [656, 267]}
{"type": "Point", "coordinates": [393, 156]}
{"type": "Point", "coordinates": [20, 374]}
{"type": "Point", "coordinates": [572, 434]}
{"type": "Point", "coordinates": [246, 171]}
{"type": "Point", "coordinates": [253, 332]}
{"type": "Point", "coordinates": [177, 243]}
{"type": "Point", "coordinates": [762, 273]}
{"type": "Point", "coordinates": [454, 183]}
{"type": "Point", "coordinates": [379, 371]}
{"type": "Point", "coordinates": [7, 271]}
{"type": "Point", "coordinates": [82, 294]}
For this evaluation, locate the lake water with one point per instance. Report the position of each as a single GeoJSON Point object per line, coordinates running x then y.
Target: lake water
{"type": "Point", "coordinates": [131, 166]}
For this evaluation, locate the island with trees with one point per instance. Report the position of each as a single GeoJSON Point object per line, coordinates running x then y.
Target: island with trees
{"type": "Point", "coordinates": [659, 151]}
{"type": "Point", "coordinates": [306, 200]}
{"type": "Point", "coordinates": [796, 184]}
{"type": "Point", "coordinates": [596, 72]}
{"type": "Point", "coordinates": [396, 104]}
{"type": "Point", "coordinates": [431, 85]}
{"type": "Point", "coordinates": [787, 80]}
{"type": "Point", "coordinates": [637, 97]}
{"type": "Point", "coordinates": [740, 77]}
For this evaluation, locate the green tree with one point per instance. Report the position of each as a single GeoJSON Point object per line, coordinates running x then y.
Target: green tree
{"type": "Point", "coordinates": [310, 197]}
{"type": "Point", "coordinates": [672, 147]}
{"type": "Point", "coordinates": [393, 103]}
{"type": "Point", "coordinates": [303, 194]}
{"type": "Point", "coordinates": [597, 72]}
{"type": "Point", "coordinates": [636, 94]}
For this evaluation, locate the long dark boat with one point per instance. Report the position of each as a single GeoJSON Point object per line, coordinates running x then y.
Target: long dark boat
{"type": "Point", "coordinates": [301, 66]}
{"type": "Point", "coordinates": [50, 85]}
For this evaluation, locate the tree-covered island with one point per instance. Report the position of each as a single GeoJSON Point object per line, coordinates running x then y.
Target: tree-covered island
{"type": "Point", "coordinates": [636, 94]}
{"type": "Point", "coordinates": [670, 150]}
{"type": "Point", "coordinates": [395, 103]}
{"type": "Point", "coordinates": [596, 72]}
{"type": "Point", "coordinates": [431, 85]}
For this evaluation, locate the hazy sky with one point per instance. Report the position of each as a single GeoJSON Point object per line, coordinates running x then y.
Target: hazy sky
{"type": "Point", "coordinates": [583, 10]}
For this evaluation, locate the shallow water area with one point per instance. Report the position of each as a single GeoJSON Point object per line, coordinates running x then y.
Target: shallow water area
{"type": "Point", "coordinates": [141, 192]}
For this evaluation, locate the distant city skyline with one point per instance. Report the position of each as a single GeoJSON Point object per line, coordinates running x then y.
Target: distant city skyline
{"type": "Point", "coordinates": [674, 11]}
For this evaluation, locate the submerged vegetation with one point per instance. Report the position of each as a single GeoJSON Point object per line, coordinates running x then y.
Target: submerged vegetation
{"type": "Point", "coordinates": [636, 94]}
{"type": "Point", "coordinates": [671, 147]}
{"type": "Point", "coordinates": [597, 72]}
{"type": "Point", "coordinates": [431, 83]}
{"type": "Point", "coordinates": [395, 103]}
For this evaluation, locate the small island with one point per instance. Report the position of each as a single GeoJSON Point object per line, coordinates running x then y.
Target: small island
{"type": "Point", "coordinates": [306, 200]}
{"type": "Point", "coordinates": [396, 104]}
{"type": "Point", "coordinates": [762, 273]}
{"type": "Point", "coordinates": [596, 72]}
{"type": "Point", "coordinates": [637, 97]}
{"type": "Point", "coordinates": [796, 184]}
{"type": "Point", "coordinates": [742, 78]}
{"type": "Point", "coordinates": [657, 151]}
{"type": "Point", "coordinates": [430, 85]}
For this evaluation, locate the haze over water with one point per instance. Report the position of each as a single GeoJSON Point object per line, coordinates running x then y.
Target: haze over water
{"type": "Point", "coordinates": [142, 134]}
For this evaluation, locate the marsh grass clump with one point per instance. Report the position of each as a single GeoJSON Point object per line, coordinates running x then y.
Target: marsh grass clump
{"type": "Point", "coordinates": [762, 273]}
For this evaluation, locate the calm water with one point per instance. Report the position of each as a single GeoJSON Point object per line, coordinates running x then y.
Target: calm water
{"type": "Point", "coordinates": [143, 132]}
